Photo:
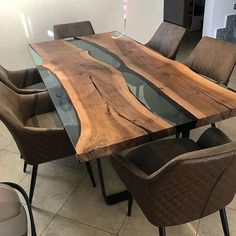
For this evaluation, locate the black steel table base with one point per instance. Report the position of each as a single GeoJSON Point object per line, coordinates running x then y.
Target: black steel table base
{"type": "Point", "coordinates": [113, 198]}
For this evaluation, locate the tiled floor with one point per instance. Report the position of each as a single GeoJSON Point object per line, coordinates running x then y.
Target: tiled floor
{"type": "Point", "coordinates": [66, 204]}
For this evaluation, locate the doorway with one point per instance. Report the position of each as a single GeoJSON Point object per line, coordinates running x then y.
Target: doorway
{"type": "Point", "coordinates": [190, 15]}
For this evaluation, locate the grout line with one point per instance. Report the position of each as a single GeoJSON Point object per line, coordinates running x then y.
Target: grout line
{"type": "Point", "coordinates": [227, 207]}
{"type": "Point", "coordinates": [122, 224]}
{"type": "Point", "coordinates": [18, 153]}
{"type": "Point", "coordinates": [64, 202]}
{"type": "Point", "coordinates": [68, 167]}
{"type": "Point", "coordinates": [90, 226]}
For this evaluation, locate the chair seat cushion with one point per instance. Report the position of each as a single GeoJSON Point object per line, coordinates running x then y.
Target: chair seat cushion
{"type": "Point", "coordinates": [152, 156]}
{"type": "Point", "coordinates": [45, 120]}
{"type": "Point", "coordinates": [36, 86]}
{"type": "Point", "coordinates": [13, 220]}
{"type": "Point", "coordinates": [10, 204]}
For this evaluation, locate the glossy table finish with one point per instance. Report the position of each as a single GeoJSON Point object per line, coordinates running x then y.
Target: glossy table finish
{"type": "Point", "coordinates": [113, 93]}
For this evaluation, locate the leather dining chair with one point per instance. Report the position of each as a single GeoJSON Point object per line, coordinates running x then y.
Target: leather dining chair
{"type": "Point", "coordinates": [167, 39]}
{"type": "Point", "coordinates": [76, 29]}
{"type": "Point", "coordinates": [36, 129]}
{"type": "Point", "coordinates": [214, 59]}
{"type": "Point", "coordinates": [22, 81]}
{"type": "Point", "coordinates": [13, 218]}
{"type": "Point", "coordinates": [176, 181]}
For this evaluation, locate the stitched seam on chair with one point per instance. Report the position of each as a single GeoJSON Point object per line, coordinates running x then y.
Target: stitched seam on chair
{"type": "Point", "coordinates": [213, 186]}
{"type": "Point", "coordinates": [35, 103]}
{"type": "Point", "coordinates": [25, 79]}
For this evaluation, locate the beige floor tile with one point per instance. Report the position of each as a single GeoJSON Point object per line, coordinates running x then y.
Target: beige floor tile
{"type": "Point", "coordinates": [5, 137]}
{"type": "Point", "coordinates": [61, 226]}
{"type": "Point", "coordinates": [54, 185]}
{"type": "Point", "coordinates": [71, 162]}
{"type": "Point", "coordinates": [41, 219]}
{"type": "Point", "coordinates": [5, 141]}
{"type": "Point", "coordinates": [87, 206]}
{"type": "Point", "coordinates": [4, 131]}
{"type": "Point", "coordinates": [211, 225]}
{"type": "Point", "coordinates": [232, 205]}
{"type": "Point", "coordinates": [12, 148]}
{"type": "Point", "coordinates": [138, 225]}
{"type": "Point", "coordinates": [113, 182]}
{"type": "Point", "coordinates": [11, 167]}
{"type": "Point", "coordinates": [196, 133]}
{"type": "Point", "coordinates": [229, 127]}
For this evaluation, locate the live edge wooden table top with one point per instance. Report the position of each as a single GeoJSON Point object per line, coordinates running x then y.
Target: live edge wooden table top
{"type": "Point", "coordinates": [114, 93]}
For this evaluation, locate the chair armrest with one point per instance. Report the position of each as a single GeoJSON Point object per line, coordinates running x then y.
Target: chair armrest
{"type": "Point", "coordinates": [36, 104]}
{"type": "Point", "coordinates": [212, 137]}
{"type": "Point", "coordinates": [43, 103]}
{"type": "Point", "coordinates": [24, 78]}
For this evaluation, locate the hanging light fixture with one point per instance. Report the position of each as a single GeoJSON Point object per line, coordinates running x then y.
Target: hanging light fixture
{"type": "Point", "coordinates": [125, 4]}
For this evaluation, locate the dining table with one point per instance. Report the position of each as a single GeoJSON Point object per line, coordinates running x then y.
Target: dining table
{"type": "Point", "coordinates": [112, 93]}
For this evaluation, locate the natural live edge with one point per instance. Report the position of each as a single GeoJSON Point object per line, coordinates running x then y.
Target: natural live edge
{"type": "Point", "coordinates": [111, 117]}
{"type": "Point", "coordinates": [70, 118]}
{"type": "Point", "coordinates": [207, 101]}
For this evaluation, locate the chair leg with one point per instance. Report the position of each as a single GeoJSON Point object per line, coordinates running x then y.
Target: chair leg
{"type": "Point", "coordinates": [33, 181]}
{"type": "Point", "coordinates": [90, 171]}
{"type": "Point", "coordinates": [224, 222]}
{"type": "Point", "coordinates": [130, 204]}
{"type": "Point", "coordinates": [178, 135]}
{"type": "Point", "coordinates": [25, 167]}
{"type": "Point", "coordinates": [162, 231]}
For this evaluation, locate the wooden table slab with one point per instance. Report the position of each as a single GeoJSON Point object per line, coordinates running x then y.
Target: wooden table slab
{"type": "Point", "coordinates": [111, 117]}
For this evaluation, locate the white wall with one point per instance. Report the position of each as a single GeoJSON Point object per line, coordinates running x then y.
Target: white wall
{"type": "Point", "coordinates": [216, 12]}
{"type": "Point", "coordinates": [26, 21]}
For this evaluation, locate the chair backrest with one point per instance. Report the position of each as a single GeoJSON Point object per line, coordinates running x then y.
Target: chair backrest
{"type": "Point", "coordinates": [76, 29]}
{"type": "Point", "coordinates": [4, 78]}
{"type": "Point", "coordinates": [167, 39]}
{"type": "Point", "coordinates": [213, 58]}
{"type": "Point", "coordinates": [187, 188]}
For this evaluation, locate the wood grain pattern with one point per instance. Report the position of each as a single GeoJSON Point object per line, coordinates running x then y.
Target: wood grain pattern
{"type": "Point", "coordinates": [111, 118]}
{"type": "Point", "coordinates": [204, 99]}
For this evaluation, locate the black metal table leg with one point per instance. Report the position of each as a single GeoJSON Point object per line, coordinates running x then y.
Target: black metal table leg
{"type": "Point", "coordinates": [186, 134]}
{"type": "Point", "coordinates": [113, 198]}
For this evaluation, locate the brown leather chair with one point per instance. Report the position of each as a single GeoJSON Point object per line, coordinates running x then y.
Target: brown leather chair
{"type": "Point", "coordinates": [175, 181]}
{"type": "Point", "coordinates": [167, 39]}
{"type": "Point", "coordinates": [214, 59]}
{"type": "Point", "coordinates": [36, 129]}
{"type": "Point", "coordinates": [22, 81]}
{"type": "Point", "coordinates": [13, 218]}
{"type": "Point", "coordinates": [76, 29]}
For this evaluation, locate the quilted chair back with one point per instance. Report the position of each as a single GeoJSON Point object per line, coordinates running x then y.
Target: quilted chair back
{"type": "Point", "coordinates": [76, 29]}
{"type": "Point", "coordinates": [167, 39]}
{"type": "Point", "coordinates": [187, 188]}
{"type": "Point", "coordinates": [213, 58]}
